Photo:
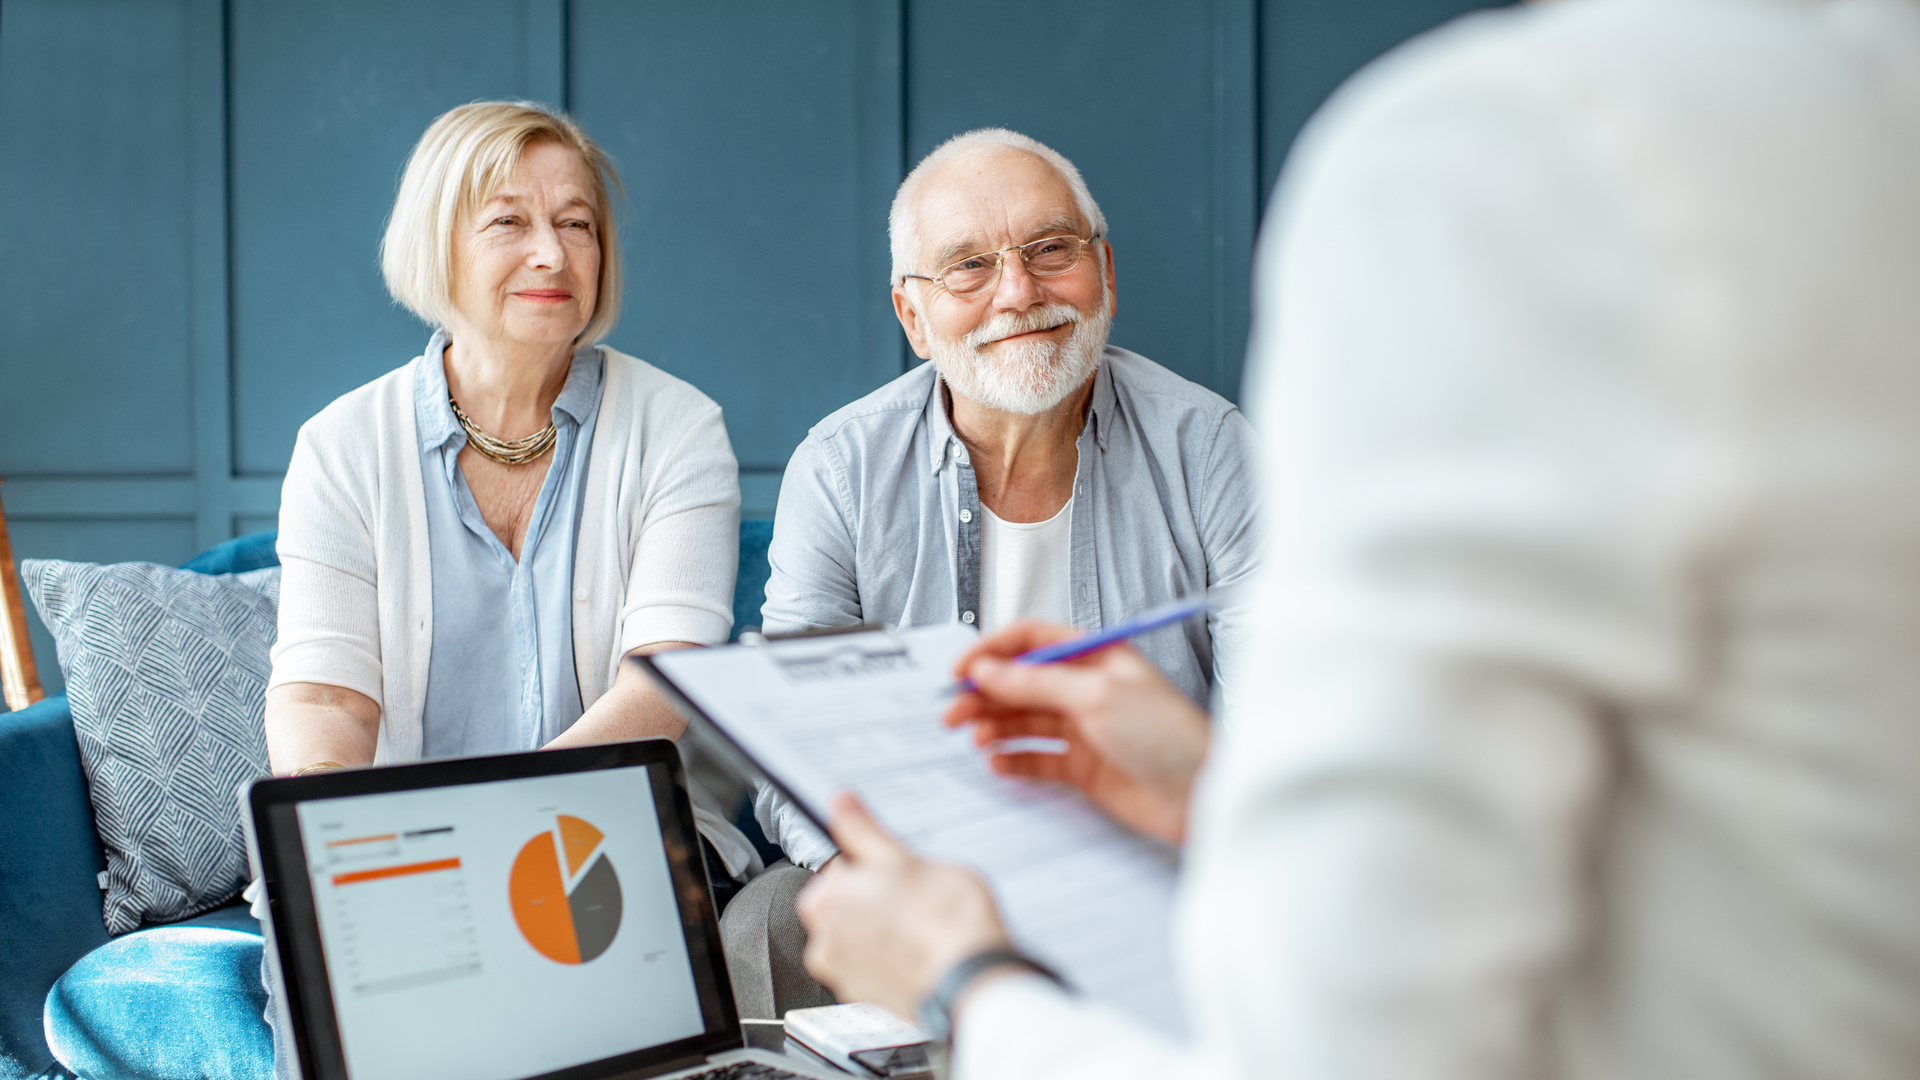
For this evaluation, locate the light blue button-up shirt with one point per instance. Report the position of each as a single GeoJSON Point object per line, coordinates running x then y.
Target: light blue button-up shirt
{"type": "Point", "coordinates": [501, 674]}
{"type": "Point", "coordinates": [880, 519]}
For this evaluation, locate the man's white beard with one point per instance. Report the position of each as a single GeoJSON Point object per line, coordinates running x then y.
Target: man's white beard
{"type": "Point", "coordinates": [1026, 377]}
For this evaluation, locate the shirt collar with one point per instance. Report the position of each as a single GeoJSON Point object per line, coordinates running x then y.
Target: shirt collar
{"type": "Point", "coordinates": [434, 417]}
{"type": "Point", "coordinates": [431, 413]}
{"type": "Point", "coordinates": [1100, 410]}
{"type": "Point", "coordinates": [581, 392]}
{"type": "Point", "coordinates": [944, 445]}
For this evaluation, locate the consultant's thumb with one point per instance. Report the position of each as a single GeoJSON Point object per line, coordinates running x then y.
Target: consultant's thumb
{"type": "Point", "coordinates": [862, 839]}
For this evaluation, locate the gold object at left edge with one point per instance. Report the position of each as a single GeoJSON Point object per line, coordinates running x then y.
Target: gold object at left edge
{"type": "Point", "coordinates": [19, 679]}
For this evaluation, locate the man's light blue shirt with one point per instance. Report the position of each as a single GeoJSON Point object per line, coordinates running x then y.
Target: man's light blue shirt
{"type": "Point", "coordinates": [501, 674]}
{"type": "Point", "coordinates": [880, 519]}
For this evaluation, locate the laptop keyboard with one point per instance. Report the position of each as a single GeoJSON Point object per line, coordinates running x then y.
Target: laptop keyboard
{"type": "Point", "coordinates": [745, 1070]}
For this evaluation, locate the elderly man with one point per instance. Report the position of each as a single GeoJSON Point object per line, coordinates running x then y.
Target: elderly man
{"type": "Point", "coordinates": [1030, 471]}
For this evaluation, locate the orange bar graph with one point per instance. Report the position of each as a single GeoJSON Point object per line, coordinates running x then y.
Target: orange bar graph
{"type": "Point", "coordinates": [396, 871]}
{"type": "Point", "coordinates": [363, 840]}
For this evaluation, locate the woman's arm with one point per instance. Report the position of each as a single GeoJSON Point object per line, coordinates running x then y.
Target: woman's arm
{"type": "Point", "coordinates": [680, 574]}
{"type": "Point", "coordinates": [310, 722]}
{"type": "Point", "coordinates": [324, 698]}
{"type": "Point", "coordinates": [633, 709]}
{"type": "Point", "coordinates": [687, 542]}
{"type": "Point", "coordinates": [313, 722]}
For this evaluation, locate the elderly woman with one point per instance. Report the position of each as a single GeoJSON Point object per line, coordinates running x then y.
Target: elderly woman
{"type": "Point", "coordinates": [473, 543]}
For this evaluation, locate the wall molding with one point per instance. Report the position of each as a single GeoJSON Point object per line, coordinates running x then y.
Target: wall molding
{"type": "Point", "coordinates": [882, 52]}
{"type": "Point", "coordinates": [1236, 180]}
{"type": "Point", "coordinates": [133, 498]}
{"type": "Point", "coordinates": [48, 498]}
{"type": "Point", "coordinates": [547, 52]}
{"type": "Point", "coordinates": [211, 353]}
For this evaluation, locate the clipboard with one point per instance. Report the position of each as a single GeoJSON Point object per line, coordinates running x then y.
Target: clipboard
{"type": "Point", "coordinates": [713, 739]}
{"type": "Point", "coordinates": [812, 714]}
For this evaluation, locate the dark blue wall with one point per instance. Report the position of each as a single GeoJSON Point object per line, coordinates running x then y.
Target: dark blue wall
{"type": "Point", "coordinates": [196, 188]}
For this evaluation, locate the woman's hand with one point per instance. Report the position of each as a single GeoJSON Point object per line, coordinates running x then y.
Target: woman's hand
{"type": "Point", "coordinates": [1134, 743]}
{"type": "Point", "coordinates": [883, 925]}
{"type": "Point", "coordinates": [314, 722]}
{"type": "Point", "coordinates": [633, 708]}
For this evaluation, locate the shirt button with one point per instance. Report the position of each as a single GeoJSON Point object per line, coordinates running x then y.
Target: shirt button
{"type": "Point", "coordinates": [580, 595]}
{"type": "Point", "coordinates": [967, 617]}
{"type": "Point", "coordinates": [966, 515]}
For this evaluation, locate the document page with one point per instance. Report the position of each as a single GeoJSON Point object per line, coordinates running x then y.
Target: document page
{"type": "Point", "coordinates": [862, 711]}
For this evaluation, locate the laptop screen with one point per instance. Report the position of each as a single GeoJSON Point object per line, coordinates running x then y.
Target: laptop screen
{"type": "Point", "coordinates": [497, 929]}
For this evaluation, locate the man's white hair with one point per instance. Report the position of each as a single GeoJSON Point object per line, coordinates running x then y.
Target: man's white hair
{"type": "Point", "coordinates": [903, 224]}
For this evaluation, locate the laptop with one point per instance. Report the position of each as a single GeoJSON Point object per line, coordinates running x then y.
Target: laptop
{"type": "Point", "coordinates": [542, 914]}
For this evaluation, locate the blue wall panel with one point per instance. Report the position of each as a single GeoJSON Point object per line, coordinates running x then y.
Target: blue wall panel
{"type": "Point", "coordinates": [94, 323]}
{"type": "Point", "coordinates": [199, 186]}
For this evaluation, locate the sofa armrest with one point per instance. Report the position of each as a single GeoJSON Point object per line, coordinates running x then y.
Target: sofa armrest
{"type": "Point", "coordinates": [50, 914]}
{"type": "Point", "coordinates": [750, 584]}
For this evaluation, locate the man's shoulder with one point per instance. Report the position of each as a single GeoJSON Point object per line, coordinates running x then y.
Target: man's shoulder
{"type": "Point", "coordinates": [895, 407]}
{"type": "Point", "coordinates": [1150, 386]}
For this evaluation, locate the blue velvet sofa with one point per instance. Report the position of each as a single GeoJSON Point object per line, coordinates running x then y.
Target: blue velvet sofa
{"type": "Point", "coordinates": [175, 1001]}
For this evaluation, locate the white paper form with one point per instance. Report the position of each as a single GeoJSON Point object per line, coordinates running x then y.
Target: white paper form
{"type": "Point", "coordinates": [862, 711]}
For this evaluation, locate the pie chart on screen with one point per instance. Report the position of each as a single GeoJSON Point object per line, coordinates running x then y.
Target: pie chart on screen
{"type": "Point", "coordinates": [565, 895]}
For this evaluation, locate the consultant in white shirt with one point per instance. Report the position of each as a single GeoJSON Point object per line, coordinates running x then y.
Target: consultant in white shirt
{"type": "Point", "coordinates": [1583, 736]}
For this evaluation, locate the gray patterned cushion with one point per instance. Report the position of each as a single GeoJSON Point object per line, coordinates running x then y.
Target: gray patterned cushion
{"type": "Point", "coordinates": [167, 677]}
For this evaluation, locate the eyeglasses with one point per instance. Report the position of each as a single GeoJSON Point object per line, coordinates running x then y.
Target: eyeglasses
{"type": "Point", "coordinates": [979, 273]}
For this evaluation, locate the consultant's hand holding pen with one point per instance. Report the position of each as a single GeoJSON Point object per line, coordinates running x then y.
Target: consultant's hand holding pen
{"type": "Point", "coordinates": [1133, 743]}
{"type": "Point", "coordinates": [1079, 643]}
{"type": "Point", "coordinates": [884, 924]}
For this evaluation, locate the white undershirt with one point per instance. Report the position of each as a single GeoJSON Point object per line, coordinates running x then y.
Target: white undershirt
{"type": "Point", "coordinates": [1024, 569]}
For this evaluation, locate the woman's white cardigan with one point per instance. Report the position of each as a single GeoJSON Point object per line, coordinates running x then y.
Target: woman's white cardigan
{"type": "Point", "coordinates": [654, 561]}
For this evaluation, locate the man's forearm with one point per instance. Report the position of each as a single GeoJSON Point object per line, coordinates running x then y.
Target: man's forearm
{"type": "Point", "coordinates": [804, 843]}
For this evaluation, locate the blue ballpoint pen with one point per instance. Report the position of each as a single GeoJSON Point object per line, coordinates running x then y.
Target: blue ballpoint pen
{"type": "Point", "coordinates": [1151, 619]}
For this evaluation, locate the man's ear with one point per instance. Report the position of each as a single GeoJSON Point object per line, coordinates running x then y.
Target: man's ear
{"type": "Point", "coordinates": [1113, 288]}
{"type": "Point", "coordinates": [910, 321]}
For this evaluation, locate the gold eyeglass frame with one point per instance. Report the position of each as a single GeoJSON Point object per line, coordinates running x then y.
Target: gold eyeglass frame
{"type": "Point", "coordinates": [1000, 264]}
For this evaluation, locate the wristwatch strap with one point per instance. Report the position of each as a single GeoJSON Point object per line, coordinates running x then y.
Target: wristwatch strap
{"type": "Point", "coordinates": [936, 1013]}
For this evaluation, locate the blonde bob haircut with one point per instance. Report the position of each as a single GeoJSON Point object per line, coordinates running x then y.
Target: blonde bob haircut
{"type": "Point", "coordinates": [458, 165]}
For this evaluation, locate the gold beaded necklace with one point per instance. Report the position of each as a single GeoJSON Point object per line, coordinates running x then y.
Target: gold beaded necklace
{"type": "Point", "coordinates": [506, 451]}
